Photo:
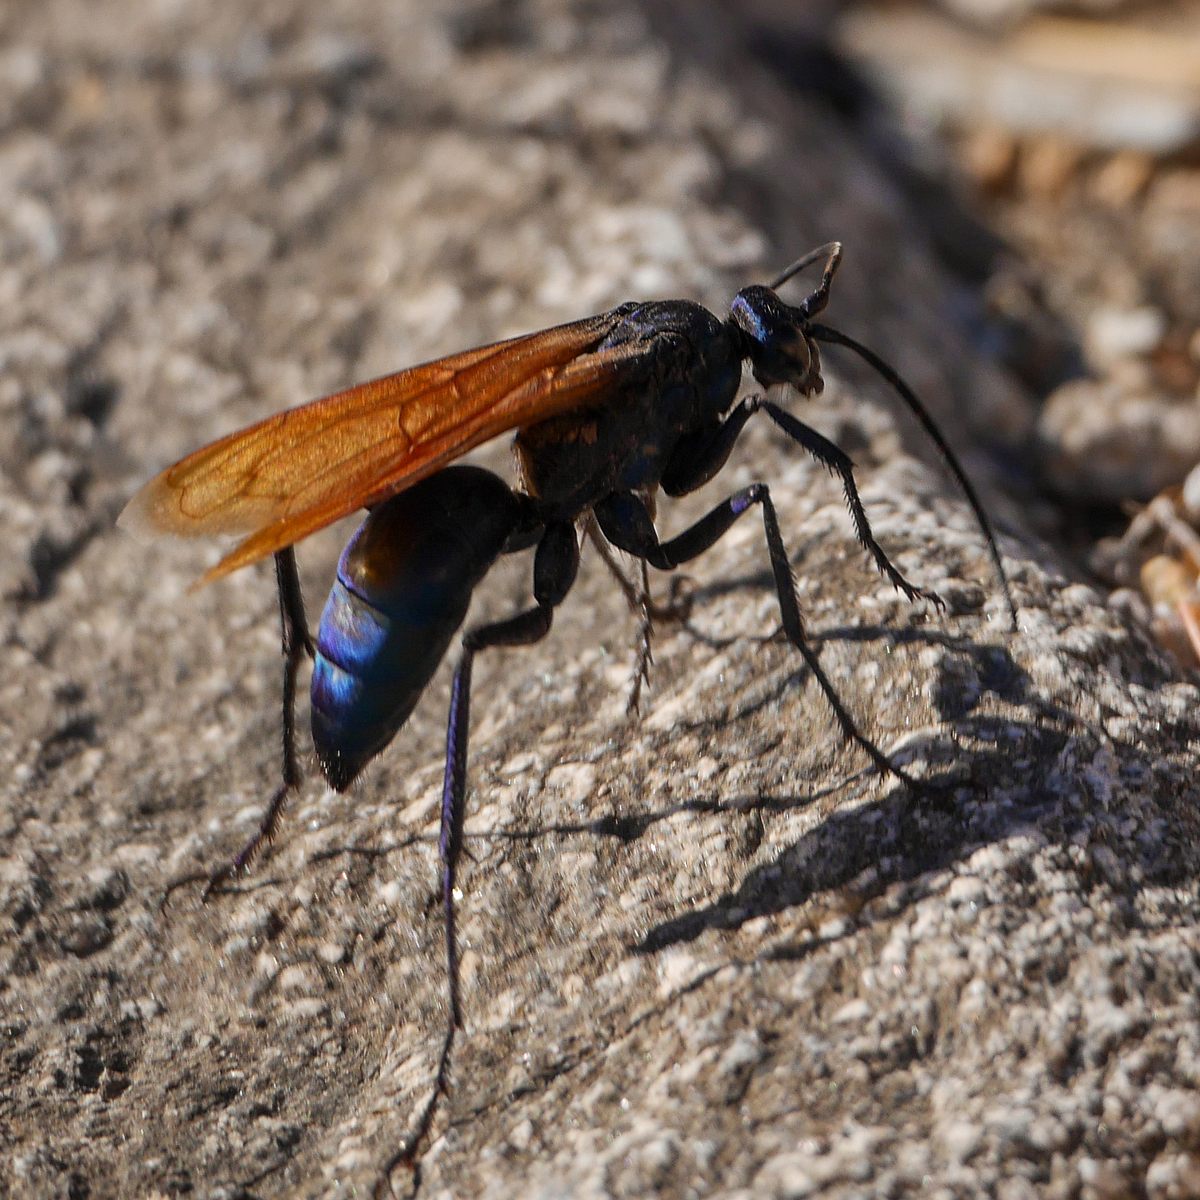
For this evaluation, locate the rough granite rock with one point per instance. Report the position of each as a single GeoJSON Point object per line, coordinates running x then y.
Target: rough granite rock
{"type": "Point", "coordinates": [710, 952]}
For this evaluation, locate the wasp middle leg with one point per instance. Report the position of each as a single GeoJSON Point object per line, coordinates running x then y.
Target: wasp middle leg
{"type": "Point", "coordinates": [626, 522]}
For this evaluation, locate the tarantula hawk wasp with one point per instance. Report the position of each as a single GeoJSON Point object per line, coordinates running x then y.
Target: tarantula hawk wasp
{"type": "Point", "coordinates": [608, 410]}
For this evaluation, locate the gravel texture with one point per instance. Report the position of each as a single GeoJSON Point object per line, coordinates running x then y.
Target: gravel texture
{"type": "Point", "coordinates": [707, 952]}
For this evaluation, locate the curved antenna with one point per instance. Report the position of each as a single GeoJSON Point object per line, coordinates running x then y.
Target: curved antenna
{"type": "Point", "coordinates": [822, 333]}
{"type": "Point", "coordinates": [832, 251]}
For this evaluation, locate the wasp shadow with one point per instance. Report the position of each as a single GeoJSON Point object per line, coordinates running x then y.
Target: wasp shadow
{"type": "Point", "coordinates": [1025, 764]}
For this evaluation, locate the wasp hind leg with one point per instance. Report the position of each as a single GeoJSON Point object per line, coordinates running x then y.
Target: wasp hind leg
{"type": "Point", "coordinates": [296, 643]}
{"type": "Point", "coordinates": [555, 565]}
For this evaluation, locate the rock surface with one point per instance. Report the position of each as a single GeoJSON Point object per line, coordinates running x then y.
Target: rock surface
{"type": "Point", "coordinates": [708, 952]}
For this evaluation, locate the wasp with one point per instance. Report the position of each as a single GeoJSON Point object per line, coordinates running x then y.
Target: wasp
{"type": "Point", "coordinates": [608, 411]}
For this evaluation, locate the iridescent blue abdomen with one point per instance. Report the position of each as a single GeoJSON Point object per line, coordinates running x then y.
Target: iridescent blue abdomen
{"type": "Point", "coordinates": [403, 587]}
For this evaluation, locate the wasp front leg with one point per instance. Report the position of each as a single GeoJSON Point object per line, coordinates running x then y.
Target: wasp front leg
{"type": "Point", "coordinates": [700, 456]}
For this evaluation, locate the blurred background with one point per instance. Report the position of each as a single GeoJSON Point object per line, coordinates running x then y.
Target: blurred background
{"type": "Point", "coordinates": [1050, 151]}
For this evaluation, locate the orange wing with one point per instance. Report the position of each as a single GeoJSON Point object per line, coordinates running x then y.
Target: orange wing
{"type": "Point", "coordinates": [302, 469]}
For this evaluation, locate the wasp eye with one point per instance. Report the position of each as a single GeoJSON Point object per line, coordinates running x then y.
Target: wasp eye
{"type": "Point", "coordinates": [776, 343]}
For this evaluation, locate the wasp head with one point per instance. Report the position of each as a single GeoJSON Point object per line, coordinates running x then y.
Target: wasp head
{"type": "Point", "coordinates": [776, 340]}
